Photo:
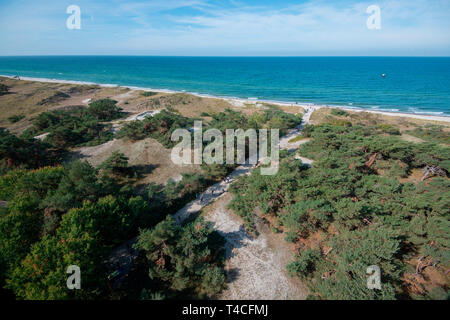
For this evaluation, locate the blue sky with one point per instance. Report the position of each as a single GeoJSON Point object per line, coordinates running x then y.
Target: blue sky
{"type": "Point", "coordinates": [226, 28]}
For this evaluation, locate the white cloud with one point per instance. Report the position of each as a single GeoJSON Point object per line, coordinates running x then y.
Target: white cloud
{"type": "Point", "coordinates": [304, 29]}
{"type": "Point", "coordinates": [314, 27]}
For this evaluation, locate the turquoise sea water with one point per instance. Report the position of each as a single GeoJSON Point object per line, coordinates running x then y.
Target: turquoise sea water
{"type": "Point", "coordinates": [414, 85]}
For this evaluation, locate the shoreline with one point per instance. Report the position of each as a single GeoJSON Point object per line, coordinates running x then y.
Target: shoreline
{"type": "Point", "coordinates": [241, 101]}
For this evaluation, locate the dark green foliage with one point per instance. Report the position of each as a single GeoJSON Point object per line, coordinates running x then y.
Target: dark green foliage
{"type": "Point", "coordinates": [22, 225]}
{"type": "Point", "coordinates": [339, 112]}
{"type": "Point", "coordinates": [269, 119]}
{"type": "Point", "coordinates": [148, 93]}
{"type": "Point", "coordinates": [104, 110]}
{"type": "Point", "coordinates": [115, 167]}
{"type": "Point", "coordinates": [133, 130]}
{"type": "Point", "coordinates": [3, 89]}
{"type": "Point", "coordinates": [58, 217]}
{"type": "Point", "coordinates": [77, 126]}
{"type": "Point", "coordinates": [183, 259]}
{"type": "Point", "coordinates": [18, 152]}
{"type": "Point", "coordinates": [15, 118]}
{"type": "Point", "coordinates": [304, 264]}
{"type": "Point", "coordinates": [353, 188]}
{"type": "Point", "coordinates": [83, 239]}
{"type": "Point", "coordinates": [159, 127]}
{"type": "Point", "coordinates": [78, 184]}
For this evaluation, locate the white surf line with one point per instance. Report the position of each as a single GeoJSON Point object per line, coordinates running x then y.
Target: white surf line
{"type": "Point", "coordinates": [240, 102]}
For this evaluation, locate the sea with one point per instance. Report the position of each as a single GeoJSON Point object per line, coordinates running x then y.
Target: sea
{"type": "Point", "coordinates": [419, 85]}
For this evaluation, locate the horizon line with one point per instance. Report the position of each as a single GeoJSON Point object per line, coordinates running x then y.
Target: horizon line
{"type": "Point", "coordinates": [225, 56]}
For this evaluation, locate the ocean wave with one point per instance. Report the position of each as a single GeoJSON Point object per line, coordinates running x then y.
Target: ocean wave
{"type": "Point", "coordinates": [350, 105]}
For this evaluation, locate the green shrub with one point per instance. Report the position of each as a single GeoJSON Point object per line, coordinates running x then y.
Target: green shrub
{"type": "Point", "coordinates": [339, 112]}
{"type": "Point", "coordinates": [104, 110]}
{"type": "Point", "coordinates": [15, 118]}
{"type": "Point", "coordinates": [3, 89]}
{"type": "Point", "coordinates": [148, 93]}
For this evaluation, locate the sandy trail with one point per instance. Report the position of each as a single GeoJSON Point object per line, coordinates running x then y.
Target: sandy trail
{"type": "Point", "coordinates": [255, 266]}
{"type": "Point", "coordinates": [218, 189]}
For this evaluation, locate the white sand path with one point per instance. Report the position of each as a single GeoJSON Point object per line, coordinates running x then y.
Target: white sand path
{"type": "Point", "coordinates": [255, 265]}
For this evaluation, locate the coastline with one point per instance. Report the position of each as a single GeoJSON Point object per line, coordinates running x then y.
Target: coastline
{"type": "Point", "coordinates": [241, 101]}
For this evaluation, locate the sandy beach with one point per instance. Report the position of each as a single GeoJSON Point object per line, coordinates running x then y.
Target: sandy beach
{"type": "Point", "coordinates": [240, 102]}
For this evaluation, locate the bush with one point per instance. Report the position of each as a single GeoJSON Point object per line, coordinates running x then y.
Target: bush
{"type": "Point", "coordinates": [181, 257]}
{"type": "Point", "coordinates": [159, 127]}
{"type": "Point", "coordinates": [76, 126]}
{"type": "Point", "coordinates": [3, 89]}
{"type": "Point", "coordinates": [339, 112]}
{"type": "Point", "coordinates": [18, 152]}
{"type": "Point", "coordinates": [305, 263]}
{"type": "Point", "coordinates": [104, 110]}
{"type": "Point", "coordinates": [389, 129]}
{"type": "Point", "coordinates": [148, 93]}
{"type": "Point", "coordinates": [15, 118]}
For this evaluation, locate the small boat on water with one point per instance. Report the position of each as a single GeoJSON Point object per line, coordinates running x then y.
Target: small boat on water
{"type": "Point", "coordinates": [384, 75]}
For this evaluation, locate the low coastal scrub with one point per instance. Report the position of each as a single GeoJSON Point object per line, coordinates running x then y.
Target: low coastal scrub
{"type": "Point", "coordinates": [76, 126]}
{"type": "Point", "coordinates": [148, 93]}
{"type": "Point", "coordinates": [339, 113]}
{"type": "Point", "coordinates": [15, 118]}
{"type": "Point", "coordinates": [3, 89]}
{"type": "Point", "coordinates": [159, 127]}
{"type": "Point", "coordinates": [350, 211]}
{"type": "Point", "coordinates": [162, 125]}
{"type": "Point", "coordinates": [267, 119]}
{"type": "Point", "coordinates": [19, 152]}
{"type": "Point", "coordinates": [432, 133]}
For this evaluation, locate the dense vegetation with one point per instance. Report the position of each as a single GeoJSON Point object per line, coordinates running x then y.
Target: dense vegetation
{"type": "Point", "coordinates": [76, 214]}
{"type": "Point", "coordinates": [162, 125]}
{"type": "Point", "coordinates": [159, 126]}
{"type": "Point", "coordinates": [15, 118]}
{"type": "Point", "coordinates": [357, 206]}
{"type": "Point", "coordinates": [350, 211]}
{"type": "Point", "coordinates": [184, 259]}
{"type": "Point", "coordinates": [76, 126]}
{"type": "Point", "coordinates": [18, 152]}
{"type": "Point", "coordinates": [268, 119]}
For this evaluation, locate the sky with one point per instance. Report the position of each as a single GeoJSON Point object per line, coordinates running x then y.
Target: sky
{"type": "Point", "coordinates": [226, 28]}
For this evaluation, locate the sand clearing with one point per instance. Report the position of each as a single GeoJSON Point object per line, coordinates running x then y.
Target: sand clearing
{"type": "Point", "coordinates": [148, 154]}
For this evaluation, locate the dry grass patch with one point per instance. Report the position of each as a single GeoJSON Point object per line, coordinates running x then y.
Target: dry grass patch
{"type": "Point", "coordinates": [148, 155]}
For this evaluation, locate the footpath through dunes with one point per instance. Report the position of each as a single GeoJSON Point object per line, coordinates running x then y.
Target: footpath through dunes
{"type": "Point", "coordinates": [255, 266]}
